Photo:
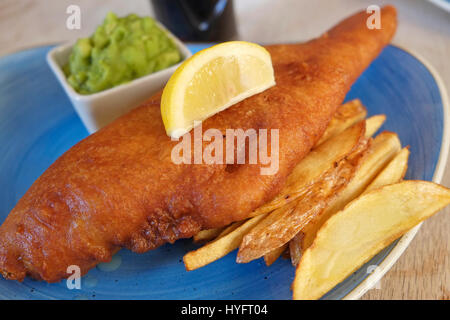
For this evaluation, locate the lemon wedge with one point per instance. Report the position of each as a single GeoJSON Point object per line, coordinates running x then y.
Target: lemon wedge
{"type": "Point", "coordinates": [213, 80]}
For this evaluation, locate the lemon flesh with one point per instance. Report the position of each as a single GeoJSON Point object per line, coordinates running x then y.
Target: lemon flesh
{"type": "Point", "coordinates": [213, 80]}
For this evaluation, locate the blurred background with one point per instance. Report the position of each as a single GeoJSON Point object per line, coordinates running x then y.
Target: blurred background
{"type": "Point", "coordinates": [25, 23]}
{"type": "Point", "coordinates": [424, 28]}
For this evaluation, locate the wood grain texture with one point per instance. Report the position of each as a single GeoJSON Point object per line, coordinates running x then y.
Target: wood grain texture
{"type": "Point", "coordinates": [423, 272]}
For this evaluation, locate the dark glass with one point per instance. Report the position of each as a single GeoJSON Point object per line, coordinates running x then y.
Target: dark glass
{"type": "Point", "coordinates": [197, 20]}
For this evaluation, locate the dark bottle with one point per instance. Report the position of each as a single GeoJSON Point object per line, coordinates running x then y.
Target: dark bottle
{"type": "Point", "coordinates": [197, 20]}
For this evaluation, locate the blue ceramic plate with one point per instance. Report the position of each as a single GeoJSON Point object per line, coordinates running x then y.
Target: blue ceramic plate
{"type": "Point", "coordinates": [38, 123]}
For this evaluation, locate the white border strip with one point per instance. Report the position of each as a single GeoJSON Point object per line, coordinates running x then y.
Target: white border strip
{"type": "Point", "coordinates": [371, 280]}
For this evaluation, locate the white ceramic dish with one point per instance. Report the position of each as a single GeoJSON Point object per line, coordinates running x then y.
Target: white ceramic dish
{"type": "Point", "coordinates": [98, 109]}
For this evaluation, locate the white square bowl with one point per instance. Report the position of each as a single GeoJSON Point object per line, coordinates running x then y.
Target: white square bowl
{"type": "Point", "coordinates": [98, 109]}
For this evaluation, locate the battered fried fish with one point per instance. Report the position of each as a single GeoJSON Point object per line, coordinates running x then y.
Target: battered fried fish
{"type": "Point", "coordinates": [119, 188]}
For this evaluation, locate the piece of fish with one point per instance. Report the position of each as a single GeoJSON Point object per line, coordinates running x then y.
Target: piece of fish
{"type": "Point", "coordinates": [119, 187]}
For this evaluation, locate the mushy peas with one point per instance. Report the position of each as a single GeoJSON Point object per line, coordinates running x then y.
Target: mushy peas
{"type": "Point", "coordinates": [120, 50]}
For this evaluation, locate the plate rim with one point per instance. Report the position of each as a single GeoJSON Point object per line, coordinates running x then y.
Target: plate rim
{"type": "Point", "coordinates": [388, 262]}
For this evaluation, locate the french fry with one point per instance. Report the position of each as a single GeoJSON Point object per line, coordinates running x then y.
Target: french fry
{"type": "Point", "coordinates": [272, 256]}
{"type": "Point", "coordinates": [365, 226]}
{"type": "Point", "coordinates": [207, 235]}
{"type": "Point", "coordinates": [295, 249]}
{"type": "Point", "coordinates": [373, 124]}
{"type": "Point", "coordinates": [394, 172]}
{"type": "Point", "coordinates": [230, 228]}
{"type": "Point", "coordinates": [219, 248]}
{"type": "Point", "coordinates": [284, 223]}
{"type": "Point", "coordinates": [314, 165]}
{"type": "Point", "coordinates": [346, 115]}
{"type": "Point", "coordinates": [215, 233]}
{"type": "Point", "coordinates": [383, 149]}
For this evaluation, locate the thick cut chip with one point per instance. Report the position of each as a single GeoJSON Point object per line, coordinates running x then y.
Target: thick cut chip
{"type": "Point", "coordinates": [364, 227]}
{"type": "Point", "coordinates": [394, 172]}
{"type": "Point", "coordinates": [295, 249]}
{"type": "Point", "coordinates": [384, 147]}
{"type": "Point", "coordinates": [284, 223]}
{"type": "Point", "coordinates": [207, 235]}
{"type": "Point", "coordinates": [230, 228]}
{"type": "Point", "coordinates": [373, 124]}
{"type": "Point", "coordinates": [346, 115]}
{"type": "Point", "coordinates": [273, 255]}
{"type": "Point", "coordinates": [220, 247]}
{"type": "Point", "coordinates": [314, 165]}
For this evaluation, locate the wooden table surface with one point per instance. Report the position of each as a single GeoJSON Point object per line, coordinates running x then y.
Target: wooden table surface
{"type": "Point", "coordinates": [423, 271]}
